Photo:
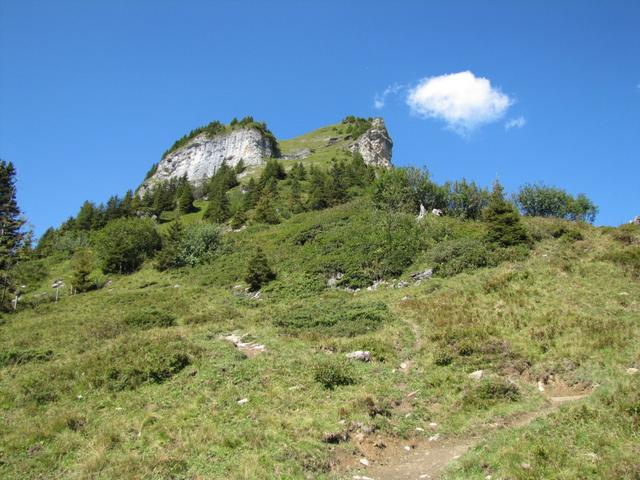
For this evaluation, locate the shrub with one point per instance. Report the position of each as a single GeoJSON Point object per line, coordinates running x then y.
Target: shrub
{"type": "Point", "coordinates": [132, 361]}
{"type": "Point", "coordinates": [492, 390]}
{"type": "Point", "coordinates": [124, 244]}
{"type": "Point", "coordinates": [258, 271]}
{"type": "Point", "coordinates": [333, 318]}
{"type": "Point", "coordinates": [333, 372]}
{"type": "Point", "coordinates": [150, 318]}
{"type": "Point", "coordinates": [456, 256]}
{"type": "Point", "coordinates": [442, 358]}
{"type": "Point", "coordinates": [199, 243]}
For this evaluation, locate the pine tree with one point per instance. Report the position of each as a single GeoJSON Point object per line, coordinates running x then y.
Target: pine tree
{"type": "Point", "coordinates": [218, 208]}
{"type": "Point", "coordinates": [240, 167]}
{"type": "Point", "coordinates": [86, 216]}
{"type": "Point", "coordinates": [126, 205]}
{"type": "Point", "coordinates": [82, 268]}
{"type": "Point", "coordinates": [265, 212]}
{"type": "Point", "coordinates": [505, 228]}
{"type": "Point", "coordinates": [251, 195]}
{"type": "Point", "coordinates": [169, 256]}
{"type": "Point", "coordinates": [239, 219]}
{"type": "Point", "coordinates": [318, 198]}
{"type": "Point", "coordinates": [295, 199]}
{"type": "Point", "coordinates": [185, 199]}
{"type": "Point", "coordinates": [11, 222]}
{"type": "Point", "coordinates": [337, 185]}
{"type": "Point", "coordinates": [258, 271]}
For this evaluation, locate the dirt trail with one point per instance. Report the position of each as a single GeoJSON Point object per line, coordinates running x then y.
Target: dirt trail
{"type": "Point", "coordinates": [426, 460]}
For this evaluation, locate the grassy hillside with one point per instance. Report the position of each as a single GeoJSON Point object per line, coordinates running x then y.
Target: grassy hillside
{"type": "Point", "coordinates": [90, 388]}
{"type": "Point", "coordinates": [144, 378]}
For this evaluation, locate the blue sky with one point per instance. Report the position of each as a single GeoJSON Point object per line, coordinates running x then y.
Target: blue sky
{"type": "Point", "coordinates": [91, 93]}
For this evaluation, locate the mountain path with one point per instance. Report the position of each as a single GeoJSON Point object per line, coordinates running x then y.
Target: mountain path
{"type": "Point", "coordinates": [426, 460]}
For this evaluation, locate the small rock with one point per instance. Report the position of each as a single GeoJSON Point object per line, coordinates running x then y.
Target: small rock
{"type": "Point", "coordinates": [407, 448]}
{"type": "Point", "coordinates": [242, 401]}
{"type": "Point", "coordinates": [361, 477]}
{"type": "Point", "coordinates": [540, 386]}
{"type": "Point", "coordinates": [434, 438]}
{"type": "Point", "coordinates": [412, 394]}
{"type": "Point", "coordinates": [433, 424]}
{"type": "Point", "coordinates": [624, 294]}
{"type": "Point", "coordinates": [437, 212]}
{"type": "Point", "coordinates": [364, 462]}
{"type": "Point", "coordinates": [176, 285]}
{"type": "Point", "coordinates": [477, 375]}
{"type": "Point", "coordinates": [380, 444]}
{"type": "Point", "coordinates": [418, 429]}
{"type": "Point", "coordinates": [361, 355]}
{"type": "Point", "coordinates": [403, 366]}
{"type": "Point", "coordinates": [632, 371]}
{"type": "Point", "coordinates": [526, 466]}
{"type": "Point", "coordinates": [428, 273]}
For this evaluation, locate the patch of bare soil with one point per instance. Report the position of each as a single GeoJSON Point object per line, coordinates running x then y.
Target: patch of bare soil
{"type": "Point", "coordinates": [378, 457]}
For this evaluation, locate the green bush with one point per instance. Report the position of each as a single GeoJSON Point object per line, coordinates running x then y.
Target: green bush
{"type": "Point", "coordinates": [199, 243]}
{"type": "Point", "coordinates": [150, 318]}
{"type": "Point", "coordinates": [492, 390]}
{"type": "Point", "coordinates": [626, 234]}
{"type": "Point", "coordinates": [442, 358]}
{"type": "Point", "coordinates": [124, 244]}
{"type": "Point", "coordinates": [131, 361]}
{"type": "Point", "coordinates": [333, 372]}
{"type": "Point", "coordinates": [456, 256]}
{"type": "Point", "coordinates": [333, 318]}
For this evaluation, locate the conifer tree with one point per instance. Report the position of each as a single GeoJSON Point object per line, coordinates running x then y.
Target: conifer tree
{"type": "Point", "coordinates": [295, 198]}
{"type": "Point", "coordinates": [318, 197]}
{"type": "Point", "coordinates": [505, 228]}
{"type": "Point", "coordinates": [265, 211]}
{"type": "Point", "coordinates": [185, 199]}
{"type": "Point", "coordinates": [218, 208]}
{"type": "Point", "coordinates": [337, 183]}
{"type": "Point", "coordinates": [239, 219]}
{"type": "Point", "coordinates": [86, 216]}
{"type": "Point", "coordinates": [169, 255]}
{"type": "Point", "coordinates": [11, 222]}
{"type": "Point", "coordinates": [251, 196]}
{"type": "Point", "coordinates": [82, 268]}
{"type": "Point", "coordinates": [258, 271]}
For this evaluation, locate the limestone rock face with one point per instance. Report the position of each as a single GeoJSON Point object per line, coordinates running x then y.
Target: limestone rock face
{"type": "Point", "coordinates": [635, 221]}
{"type": "Point", "coordinates": [203, 155]}
{"type": "Point", "coordinates": [375, 145]}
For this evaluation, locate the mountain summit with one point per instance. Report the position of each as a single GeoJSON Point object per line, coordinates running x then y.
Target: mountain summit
{"type": "Point", "coordinates": [200, 153]}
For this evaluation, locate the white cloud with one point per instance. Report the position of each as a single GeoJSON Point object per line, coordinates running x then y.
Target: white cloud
{"type": "Point", "coordinates": [381, 98]}
{"type": "Point", "coordinates": [462, 100]}
{"type": "Point", "coordinates": [517, 122]}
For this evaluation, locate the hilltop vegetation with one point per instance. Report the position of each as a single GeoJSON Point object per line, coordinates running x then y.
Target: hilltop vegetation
{"type": "Point", "coordinates": [137, 374]}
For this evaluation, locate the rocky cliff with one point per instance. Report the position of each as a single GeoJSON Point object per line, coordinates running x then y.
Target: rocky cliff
{"type": "Point", "coordinates": [375, 145]}
{"type": "Point", "coordinates": [201, 156]}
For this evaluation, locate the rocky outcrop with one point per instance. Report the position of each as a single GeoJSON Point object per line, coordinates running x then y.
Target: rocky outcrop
{"type": "Point", "coordinates": [203, 155]}
{"type": "Point", "coordinates": [375, 145]}
{"type": "Point", "coordinates": [635, 221]}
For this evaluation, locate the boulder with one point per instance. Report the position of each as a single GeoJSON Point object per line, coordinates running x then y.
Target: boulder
{"type": "Point", "coordinates": [361, 355]}
{"type": "Point", "coordinates": [477, 375]}
{"type": "Point", "coordinates": [636, 221]}
{"type": "Point", "coordinates": [437, 212]}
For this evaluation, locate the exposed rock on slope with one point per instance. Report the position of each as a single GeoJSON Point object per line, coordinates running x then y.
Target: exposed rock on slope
{"type": "Point", "coordinates": [204, 154]}
{"type": "Point", "coordinates": [375, 145]}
